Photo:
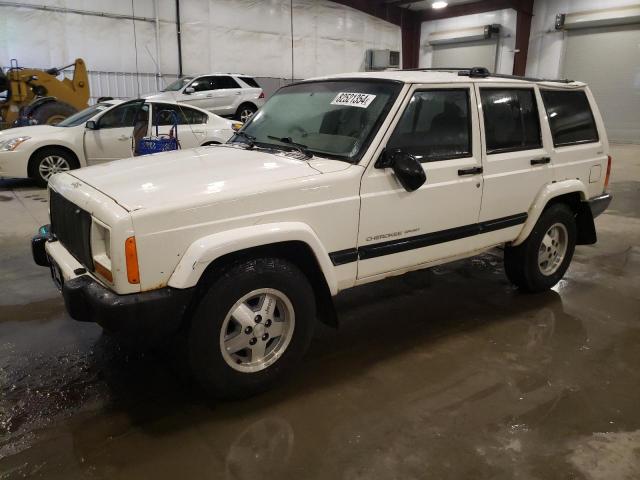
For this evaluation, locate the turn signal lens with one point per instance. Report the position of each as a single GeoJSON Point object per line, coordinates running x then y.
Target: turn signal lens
{"type": "Point", "coordinates": [236, 126]}
{"type": "Point", "coordinates": [608, 175]}
{"type": "Point", "coordinates": [103, 271]}
{"type": "Point", "coordinates": [131, 255]}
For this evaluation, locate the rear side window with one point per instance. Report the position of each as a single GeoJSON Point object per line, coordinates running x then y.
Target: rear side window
{"type": "Point", "coordinates": [250, 81]}
{"type": "Point", "coordinates": [570, 117]}
{"type": "Point", "coordinates": [194, 117]}
{"type": "Point", "coordinates": [435, 126]}
{"type": "Point", "coordinates": [225, 82]}
{"type": "Point", "coordinates": [511, 119]}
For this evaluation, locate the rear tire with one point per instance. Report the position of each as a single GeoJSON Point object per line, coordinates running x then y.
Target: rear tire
{"type": "Point", "coordinates": [245, 112]}
{"type": "Point", "coordinates": [49, 161]}
{"type": "Point", "coordinates": [52, 113]}
{"type": "Point", "coordinates": [542, 259]}
{"type": "Point", "coordinates": [251, 327]}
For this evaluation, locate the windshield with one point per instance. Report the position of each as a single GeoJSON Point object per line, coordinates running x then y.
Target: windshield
{"type": "Point", "coordinates": [178, 84]}
{"type": "Point", "coordinates": [336, 119]}
{"type": "Point", "coordinates": [84, 115]}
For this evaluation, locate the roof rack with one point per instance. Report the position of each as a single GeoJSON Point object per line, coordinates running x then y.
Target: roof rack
{"type": "Point", "coordinates": [482, 72]}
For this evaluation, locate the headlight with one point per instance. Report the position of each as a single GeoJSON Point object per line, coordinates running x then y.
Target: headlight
{"type": "Point", "coordinates": [12, 143]}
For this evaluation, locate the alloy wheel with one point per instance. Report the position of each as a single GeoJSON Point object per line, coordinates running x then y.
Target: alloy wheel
{"type": "Point", "coordinates": [257, 330]}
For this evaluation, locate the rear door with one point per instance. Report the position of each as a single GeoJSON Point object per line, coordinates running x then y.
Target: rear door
{"type": "Point", "coordinates": [190, 134]}
{"type": "Point", "coordinates": [401, 230]}
{"type": "Point", "coordinates": [114, 137]}
{"type": "Point", "coordinates": [227, 95]}
{"type": "Point", "coordinates": [516, 162]}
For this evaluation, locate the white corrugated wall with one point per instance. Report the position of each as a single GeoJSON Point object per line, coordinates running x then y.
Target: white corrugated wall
{"type": "Point", "coordinates": [247, 36]}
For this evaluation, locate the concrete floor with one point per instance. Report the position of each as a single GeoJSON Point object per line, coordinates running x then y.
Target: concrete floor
{"type": "Point", "coordinates": [447, 373]}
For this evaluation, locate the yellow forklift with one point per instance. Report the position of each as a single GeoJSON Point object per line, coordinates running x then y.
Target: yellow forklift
{"type": "Point", "coordinates": [32, 97]}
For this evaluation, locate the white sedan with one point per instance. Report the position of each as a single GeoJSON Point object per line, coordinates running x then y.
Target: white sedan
{"type": "Point", "coordinates": [101, 133]}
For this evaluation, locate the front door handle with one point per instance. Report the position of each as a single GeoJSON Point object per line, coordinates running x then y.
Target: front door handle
{"type": "Point", "coordinates": [470, 171]}
{"type": "Point", "coordinates": [123, 138]}
{"type": "Point", "coordinates": [540, 161]}
{"type": "Point", "coordinates": [210, 95]}
{"type": "Point", "coordinates": [238, 93]}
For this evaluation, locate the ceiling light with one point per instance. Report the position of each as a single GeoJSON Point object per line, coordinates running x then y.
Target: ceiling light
{"type": "Point", "coordinates": [438, 5]}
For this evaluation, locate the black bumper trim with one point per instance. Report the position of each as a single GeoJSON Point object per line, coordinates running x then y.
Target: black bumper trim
{"type": "Point", "coordinates": [156, 314]}
{"type": "Point", "coordinates": [600, 203]}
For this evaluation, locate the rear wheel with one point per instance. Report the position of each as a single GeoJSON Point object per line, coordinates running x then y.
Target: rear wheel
{"type": "Point", "coordinates": [543, 258]}
{"type": "Point", "coordinates": [52, 113]}
{"type": "Point", "coordinates": [252, 326]}
{"type": "Point", "coordinates": [245, 111]}
{"type": "Point", "coordinates": [49, 161]}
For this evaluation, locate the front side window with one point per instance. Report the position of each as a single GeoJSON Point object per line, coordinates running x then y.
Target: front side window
{"type": "Point", "coordinates": [203, 84]}
{"type": "Point", "coordinates": [178, 84]}
{"type": "Point", "coordinates": [511, 119]}
{"type": "Point", "coordinates": [336, 119]}
{"type": "Point", "coordinates": [121, 116]}
{"type": "Point", "coordinates": [435, 125]}
{"type": "Point", "coordinates": [570, 117]}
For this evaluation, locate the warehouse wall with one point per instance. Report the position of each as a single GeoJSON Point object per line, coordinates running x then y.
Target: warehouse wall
{"type": "Point", "coordinates": [506, 44]}
{"type": "Point", "coordinates": [546, 45]}
{"type": "Point", "coordinates": [248, 36]}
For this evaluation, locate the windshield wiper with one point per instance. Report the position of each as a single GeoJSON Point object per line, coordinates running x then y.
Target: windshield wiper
{"type": "Point", "coordinates": [251, 140]}
{"type": "Point", "coordinates": [303, 149]}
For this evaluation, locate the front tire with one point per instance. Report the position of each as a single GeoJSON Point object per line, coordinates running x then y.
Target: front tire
{"type": "Point", "coordinates": [542, 259]}
{"type": "Point", "coordinates": [251, 327]}
{"type": "Point", "coordinates": [49, 161]}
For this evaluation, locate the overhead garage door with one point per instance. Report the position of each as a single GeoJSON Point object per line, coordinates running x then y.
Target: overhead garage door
{"type": "Point", "coordinates": [480, 53]}
{"type": "Point", "coordinates": [608, 59]}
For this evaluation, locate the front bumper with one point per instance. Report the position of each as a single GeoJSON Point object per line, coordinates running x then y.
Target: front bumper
{"type": "Point", "coordinates": [599, 204]}
{"type": "Point", "coordinates": [13, 164]}
{"type": "Point", "coordinates": [153, 315]}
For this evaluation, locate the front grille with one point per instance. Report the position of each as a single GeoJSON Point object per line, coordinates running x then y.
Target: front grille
{"type": "Point", "coordinates": [72, 227]}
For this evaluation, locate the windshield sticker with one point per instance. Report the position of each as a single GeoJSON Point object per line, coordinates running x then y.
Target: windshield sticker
{"type": "Point", "coordinates": [362, 100]}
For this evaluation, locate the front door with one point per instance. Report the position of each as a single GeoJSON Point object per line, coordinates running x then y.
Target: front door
{"type": "Point", "coordinates": [401, 229]}
{"type": "Point", "coordinates": [113, 139]}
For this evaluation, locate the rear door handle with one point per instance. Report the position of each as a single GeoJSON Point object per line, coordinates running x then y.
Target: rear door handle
{"type": "Point", "coordinates": [470, 171]}
{"type": "Point", "coordinates": [540, 161]}
{"type": "Point", "coordinates": [123, 138]}
{"type": "Point", "coordinates": [210, 95]}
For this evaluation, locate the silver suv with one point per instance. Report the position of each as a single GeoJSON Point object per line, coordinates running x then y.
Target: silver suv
{"type": "Point", "coordinates": [226, 94]}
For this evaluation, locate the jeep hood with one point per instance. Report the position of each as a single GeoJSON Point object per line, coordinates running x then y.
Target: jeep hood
{"type": "Point", "coordinates": [196, 176]}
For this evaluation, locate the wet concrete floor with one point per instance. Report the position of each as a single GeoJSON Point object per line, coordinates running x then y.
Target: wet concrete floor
{"type": "Point", "coordinates": [446, 373]}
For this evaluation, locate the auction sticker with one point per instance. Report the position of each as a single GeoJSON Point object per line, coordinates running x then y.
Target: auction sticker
{"type": "Point", "coordinates": [362, 100]}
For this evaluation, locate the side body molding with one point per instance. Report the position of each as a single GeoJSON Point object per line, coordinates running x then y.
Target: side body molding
{"type": "Point", "coordinates": [547, 193]}
{"type": "Point", "coordinates": [205, 250]}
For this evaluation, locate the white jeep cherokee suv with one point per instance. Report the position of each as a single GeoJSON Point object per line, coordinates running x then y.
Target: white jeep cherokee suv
{"type": "Point", "coordinates": [226, 94]}
{"type": "Point", "coordinates": [335, 182]}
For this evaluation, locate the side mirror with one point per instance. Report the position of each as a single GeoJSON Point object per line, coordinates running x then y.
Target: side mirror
{"type": "Point", "coordinates": [91, 125]}
{"type": "Point", "coordinates": [189, 90]}
{"type": "Point", "coordinates": [406, 168]}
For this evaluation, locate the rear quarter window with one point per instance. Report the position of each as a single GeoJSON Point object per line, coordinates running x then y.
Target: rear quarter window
{"type": "Point", "coordinates": [250, 81]}
{"type": "Point", "coordinates": [570, 117]}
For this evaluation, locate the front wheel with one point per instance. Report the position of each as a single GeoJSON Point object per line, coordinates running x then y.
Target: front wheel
{"type": "Point", "coordinates": [251, 327]}
{"type": "Point", "coordinates": [47, 162]}
{"type": "Point", "coordinates": [543, 258]}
